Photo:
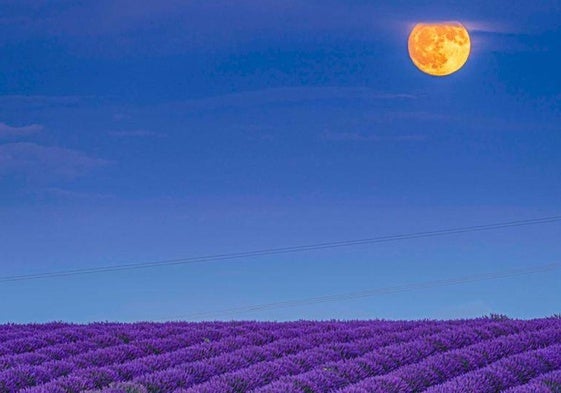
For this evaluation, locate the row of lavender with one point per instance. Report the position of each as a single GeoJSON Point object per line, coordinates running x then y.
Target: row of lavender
{"type": "Point", "coordinates": [37, 359]}
{"type": "Point", "coordinates": [137, 357]}
{"type": "Point", "coordinates": [481, 355]}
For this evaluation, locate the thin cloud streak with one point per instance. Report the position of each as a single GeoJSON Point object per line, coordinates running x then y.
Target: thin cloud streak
{"type": "Point", "coordinates": [7, 131]}
{"type": "Point", "coordinates": [491, 27]}
{"type": "Point", "coordinates": [286, 95]}
{"type": "Point", "coordinates": [358, 137]}
{"type": "Point", "coordinates": [63, 193]}
{"type": "Point", "coordinates": [136, 134]}
{"type": "Point", "coordinates": [45, 162]}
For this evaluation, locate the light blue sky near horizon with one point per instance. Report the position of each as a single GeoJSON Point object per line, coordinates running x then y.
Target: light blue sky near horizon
{"type": "Point", "coordinates": [144, 131]}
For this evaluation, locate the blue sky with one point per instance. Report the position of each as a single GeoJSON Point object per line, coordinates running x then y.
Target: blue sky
{"type": "Point", "coordinates": [135, 131]}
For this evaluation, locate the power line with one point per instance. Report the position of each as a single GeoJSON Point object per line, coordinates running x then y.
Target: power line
{"type": "Point", "coordinates": [375, 292]}
{"type": "Point", "coordinates": [281, 250]}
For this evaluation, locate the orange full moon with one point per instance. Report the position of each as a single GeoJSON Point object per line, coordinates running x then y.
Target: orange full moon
{"type": "Point", "coordinates": [439, 48]}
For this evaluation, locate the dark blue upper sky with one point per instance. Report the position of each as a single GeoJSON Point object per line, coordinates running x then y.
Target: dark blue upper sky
{"type": "Point", "coordinates": [140, 130]}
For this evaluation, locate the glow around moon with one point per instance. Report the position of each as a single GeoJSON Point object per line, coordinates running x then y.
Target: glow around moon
{"type": "Point", "coordinates": [439, 49]}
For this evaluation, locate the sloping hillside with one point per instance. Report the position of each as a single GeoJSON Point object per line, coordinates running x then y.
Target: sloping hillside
{"type": "Point", "coordinates": [481, 355]}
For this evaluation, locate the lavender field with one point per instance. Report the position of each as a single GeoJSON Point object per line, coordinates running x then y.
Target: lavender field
{"type": "Point", "coordinates": [480, 355]}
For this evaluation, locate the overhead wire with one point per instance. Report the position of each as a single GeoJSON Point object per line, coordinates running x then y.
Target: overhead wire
{"type": "Point", "coordinates": [280, 250]}
{"type": "Point", "coordinates": [372, 292]}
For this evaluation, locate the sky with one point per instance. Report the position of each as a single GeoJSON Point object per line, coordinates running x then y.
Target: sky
{"type": "Point", "coordinates": [142, 130]}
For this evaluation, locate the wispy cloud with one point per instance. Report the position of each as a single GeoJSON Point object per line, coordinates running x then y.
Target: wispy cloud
{"type": "Point", "coordinates": [503, 37]}
{"type": "Point", "coordinates": [63, 193]}
{"type": "Point", "coordinates": [45, 162]}
{"type": "Point", "coordinates": [40, 101]}
{"type": "Point", "coordinates": [137, 134]}
{"type": "Point", "coordinates": [7, 131]}
{"type": "Point", "coordinates": [121, 116]}
{"type": "Point", "coordinates": [287, 95]}
{"type": "Point", "coordinates": [358, 137]}
{"type": "Point", "coordinates": [475, 26]}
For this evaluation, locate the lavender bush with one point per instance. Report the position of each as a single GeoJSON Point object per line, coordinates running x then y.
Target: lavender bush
{"type": "Point", "coordinates": [481, 355]}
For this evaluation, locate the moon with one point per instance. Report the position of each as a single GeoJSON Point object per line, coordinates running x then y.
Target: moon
{"type": "Point", "coordinates": [439, 49]}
